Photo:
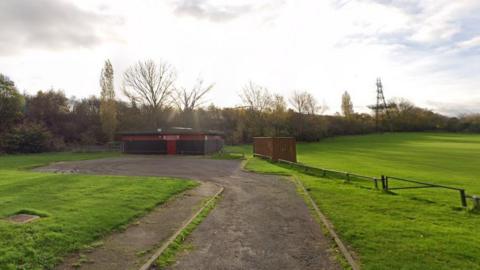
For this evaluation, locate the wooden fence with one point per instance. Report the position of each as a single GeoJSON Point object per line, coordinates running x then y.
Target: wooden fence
{"type": "Point", "coordinates": [382, 182]}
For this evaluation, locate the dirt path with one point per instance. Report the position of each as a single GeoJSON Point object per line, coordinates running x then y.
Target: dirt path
{"type": "Point", "coordinates": [260, 223]}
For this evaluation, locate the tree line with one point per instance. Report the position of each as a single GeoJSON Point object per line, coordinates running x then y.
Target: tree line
{"type": "Point", "coordinates": [49, 121]}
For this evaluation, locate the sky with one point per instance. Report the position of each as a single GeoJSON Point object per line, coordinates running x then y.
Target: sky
{"type": "Point", "coordinates": [426, 51]}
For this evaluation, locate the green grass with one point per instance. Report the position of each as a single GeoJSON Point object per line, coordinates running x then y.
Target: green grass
{"type": "Point", "coordinates": [77, 210]}
{"type": "Point", "coordinates": [228, 155]}
{"type": "Point", "coordinates": [444, 158]}
{"type": "Point", "coordinates": [413, 229]}
{"type": "Point", "coordinates": [241, 148]}
{"type": "Point", "coordinates": [168, 257]}
{"type": "Point", "coordinates": [19, 162]}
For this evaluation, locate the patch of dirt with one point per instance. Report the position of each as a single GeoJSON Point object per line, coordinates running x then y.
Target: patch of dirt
{"type": "Point", "coordinates": [22, 218]}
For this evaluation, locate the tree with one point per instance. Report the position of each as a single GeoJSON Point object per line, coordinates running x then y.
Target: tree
{"type": "Point", "coordinates": [256, 97]}
{"type": "Point", "coordinates": [151, 85]}
{"type": "Point", "coordinates": [278, 103]}
{"type": "Point", "coordinates": [28, 138]}
{"type": "Point", "coordinates": [305, 103]}
{"type": "Point", "coordinates": [86, 125]}
{"type": "Point", "coordinates": [11, 104]}
{"type": "Point", "coordinates": [279, 116]}
{"type": "Point", "coordinates": [108, 110]}
{"type": "Point", "coordinates": [50, 108]}
{"type": "Point", "coordinates": [189, 100]}
{"type": "Point", "coordinates": [347, 105]}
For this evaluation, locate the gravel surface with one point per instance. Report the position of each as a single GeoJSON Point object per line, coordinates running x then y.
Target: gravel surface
{"type": "Point", "coordinates": [260, 222]}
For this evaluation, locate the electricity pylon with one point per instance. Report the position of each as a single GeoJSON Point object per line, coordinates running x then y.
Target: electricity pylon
{"type": "Point", "coordinates": [381, 106]}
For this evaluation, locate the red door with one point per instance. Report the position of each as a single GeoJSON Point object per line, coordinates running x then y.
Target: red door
{"type": "Point", "coordinates": [171, 147]}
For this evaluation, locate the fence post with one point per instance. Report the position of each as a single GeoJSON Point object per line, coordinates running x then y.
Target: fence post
{"type": "Point", "coordinates": [375, 182]}
{"type": "Point", "coordinates": [383, 182]}
{"type": "Point", "coordinates": [463, 197]}
{"type": "Point", "coordinates": [476, 202]}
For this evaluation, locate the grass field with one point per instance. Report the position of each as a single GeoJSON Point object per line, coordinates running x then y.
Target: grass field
{"type": "Point", "coordinates": [451, 159]}
{"type": "Point", "coordinates": [78, 209]}
{"type": "Point", "coordinates": [413, 229]}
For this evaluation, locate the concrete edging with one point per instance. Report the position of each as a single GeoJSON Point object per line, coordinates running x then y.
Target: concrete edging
{"type": "Point", "coordinates": [165, 245]}
{"type": "Point", "coordinates": [343, 248]}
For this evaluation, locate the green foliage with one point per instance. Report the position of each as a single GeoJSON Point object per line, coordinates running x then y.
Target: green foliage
{"type": "Point", "coordinates": [11, 104]}
{"type": "Point", "coordinates": [412, 229]}
{"type": "Point", "coordinates": [77, 210]}
{"type": "Point", "coordinates": [27, 138]}
{"type": "Point", "coordinates": [85, 126]}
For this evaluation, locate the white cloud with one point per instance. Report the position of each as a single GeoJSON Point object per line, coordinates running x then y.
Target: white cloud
{"type": "Point", "coordinates": [202, 9]}
{"type": "Point", "coordinates": [50, 24]}
{"type": "Point", "coordinates": [470, 43]}
{"type": "Point", "coordinates": [325, 47]}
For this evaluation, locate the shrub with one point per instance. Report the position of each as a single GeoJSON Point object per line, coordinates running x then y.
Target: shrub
{"type": "Point", "coordinates": [27, 138]}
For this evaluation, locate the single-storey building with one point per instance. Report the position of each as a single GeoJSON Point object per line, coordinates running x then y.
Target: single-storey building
{"type": "Point", "coordinates": [172, 141]}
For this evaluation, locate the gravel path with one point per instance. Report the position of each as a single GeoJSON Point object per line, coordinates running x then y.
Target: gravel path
{"type": "Point", "coordinates": [260, 223]}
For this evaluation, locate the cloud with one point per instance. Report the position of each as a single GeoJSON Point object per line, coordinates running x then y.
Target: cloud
{"type": "Point", "coordinates": [420, 24]}
{"type": "Point", "coordinates": [455, 108]}
{"type": "Point", "coordinates": [470, 43]}
{"type": "Point", "coordinates": [215, 12]}
{"type": "Point", "coordinates": [50, 24]}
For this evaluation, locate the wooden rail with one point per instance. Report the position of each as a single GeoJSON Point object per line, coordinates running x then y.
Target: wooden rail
{"type": "Point", "coordinates": [385, 180]}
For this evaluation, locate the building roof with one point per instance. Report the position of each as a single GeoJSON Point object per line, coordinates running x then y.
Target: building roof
{"type": "Point", "coordinates": [172, 131]}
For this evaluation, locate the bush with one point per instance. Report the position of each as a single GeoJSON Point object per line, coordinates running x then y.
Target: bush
{"type": "Point", "coordinates": [27, 138]}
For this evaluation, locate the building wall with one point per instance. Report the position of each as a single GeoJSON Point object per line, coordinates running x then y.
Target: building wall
{"type": "Point", "coordinates": [276, 148]}
{"type": "Point", "coordinates": [145, 147]}
{"type": "Point", "coordinates": [190, 147]}
{"type": "Point", "coordinates": [213, 144]}
{"type": "Point", "coordinates": [188, 144]}
{"type": "Point", "coordinates": [263, 146]}
{"type": "Point", "coordinates": [285, 148]}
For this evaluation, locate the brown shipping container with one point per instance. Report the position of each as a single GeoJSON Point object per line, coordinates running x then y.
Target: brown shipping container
{"type": "Point", "coordinates": [276, 148]}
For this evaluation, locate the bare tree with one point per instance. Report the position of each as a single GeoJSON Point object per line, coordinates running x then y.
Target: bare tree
{"type": "Point", "coordinates": [189, 100]}
{"type": "Point", "coordinates": [305, 103]}
{"type": "Point", "coordinates": [278, 103]}
{"type": "Point", "coordinates": [150, 84]}
{"type": "Point", "coordinates": [256, 97]}
{"type": "Point", "coordinates": [298, 101]}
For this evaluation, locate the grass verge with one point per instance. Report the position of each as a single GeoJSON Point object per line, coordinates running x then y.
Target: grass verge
{"type": "Point", "coordinates": [168, 256]}
{"type": "Point", "coordinates": [228, 155]}
{"type": "Point", "coordinates": [334, 248]}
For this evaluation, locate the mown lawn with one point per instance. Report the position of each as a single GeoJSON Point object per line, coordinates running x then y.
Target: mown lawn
{"type": "Point", "coordinates": [444, 158]}
{"type": "Point", "coordinates": [78, 209]}
{"type": "Point", "coordinates": [412, 229]}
